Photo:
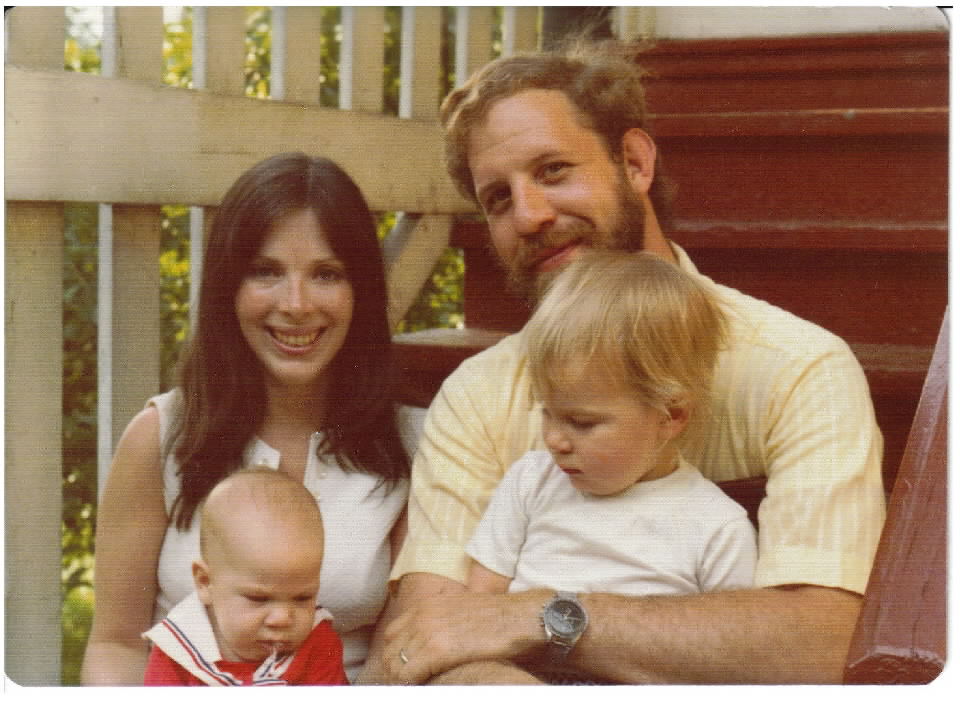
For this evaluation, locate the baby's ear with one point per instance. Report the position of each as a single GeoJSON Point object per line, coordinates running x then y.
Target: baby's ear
{"type": "Point", "coordinates": [201, 581]}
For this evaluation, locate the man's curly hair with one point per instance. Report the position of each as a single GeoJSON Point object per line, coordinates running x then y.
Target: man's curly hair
{"type": "Point", "coordinates": [602, 79]}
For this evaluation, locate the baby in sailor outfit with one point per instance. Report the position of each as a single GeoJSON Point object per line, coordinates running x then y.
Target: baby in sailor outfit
{"type": "Point", "coordinates": [253, 619]}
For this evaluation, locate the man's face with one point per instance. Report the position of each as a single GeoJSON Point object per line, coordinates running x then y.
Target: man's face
{"type": "Point", "coordinates": [549, 188]}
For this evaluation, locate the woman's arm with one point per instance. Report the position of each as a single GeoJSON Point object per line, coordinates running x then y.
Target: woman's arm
{"type": "Point", "coordinates": [131, 522]}
{"type": "Point", "coordinates": [397, 535]}
{"type": "Point", "coordinates": [371, 672]}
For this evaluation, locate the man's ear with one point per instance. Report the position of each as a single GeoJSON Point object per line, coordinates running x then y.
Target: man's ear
{"type": "Point", "coordinates": [639, 157]}
{"type": "Point", "coordinates": [201, 581]}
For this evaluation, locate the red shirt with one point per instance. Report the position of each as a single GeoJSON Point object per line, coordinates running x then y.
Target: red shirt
{"type": "Point", "coordinates": [319, 660]}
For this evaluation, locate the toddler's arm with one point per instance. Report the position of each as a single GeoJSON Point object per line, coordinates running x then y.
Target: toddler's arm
{"type": "Point", "coordinates": [481, 579]}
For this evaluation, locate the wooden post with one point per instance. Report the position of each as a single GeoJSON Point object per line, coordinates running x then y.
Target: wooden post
{"type": "Point", "coordinates": [901, 637]}
{"type": "Point", "coordinates": [419, 62]}
{"type": "Point", "coordinates": [295, 61]}
{"type": "Point", "coordinates": [417, 241]}
{"type": "Point", "coordinates": [136, 311]}
{"type": "Point", "coordinates": [134, 358]}
{"type": "Point", "coordinates": [361, 59]}
{"type": "Point", "coordinates": [520, 30]}
{"type": "Point", "coordinates": [473, 41]}
{"type": "Point", "coordinates": [223, 32]}
{"type": "Point", "coordinates": [33, 369]}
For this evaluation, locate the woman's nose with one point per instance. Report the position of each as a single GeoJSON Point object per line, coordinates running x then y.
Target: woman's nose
{"type": "Point", "coordinates": [295, 296]}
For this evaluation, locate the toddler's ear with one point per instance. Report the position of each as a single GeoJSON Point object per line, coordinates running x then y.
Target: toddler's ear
{"type": "Point", "coordinates": [201, 581]}
{"type": "Point", "coordinates": [677, 418]}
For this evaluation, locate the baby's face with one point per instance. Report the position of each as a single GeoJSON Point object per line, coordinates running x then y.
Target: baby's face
{"type": "Point", "coordinates": [260, 604]}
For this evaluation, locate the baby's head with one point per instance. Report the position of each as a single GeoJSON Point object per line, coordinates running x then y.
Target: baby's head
{"type": "Point", "coordinates": [261, 547]}
{"type": "Point", "coordinates": [621, 351]}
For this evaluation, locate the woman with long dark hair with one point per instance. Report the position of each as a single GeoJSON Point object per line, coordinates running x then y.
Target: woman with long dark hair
{"type": "Point", "coordinates": [288, 367]}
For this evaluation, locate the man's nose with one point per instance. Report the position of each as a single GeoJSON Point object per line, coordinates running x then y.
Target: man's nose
{"type": "Point", "coordinates": [532, 209]}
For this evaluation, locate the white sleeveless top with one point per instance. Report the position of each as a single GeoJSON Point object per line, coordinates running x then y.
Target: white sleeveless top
{"type": "Point", "coordinates": [357, 520]}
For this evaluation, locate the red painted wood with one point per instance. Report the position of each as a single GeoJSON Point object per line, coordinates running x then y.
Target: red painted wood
{"type": "Point", "coordinates": [901, 635]}
{"type": "Point", "coordinates": [899, 70]}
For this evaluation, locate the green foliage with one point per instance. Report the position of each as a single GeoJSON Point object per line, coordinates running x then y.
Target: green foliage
{"type": "Point", "coordinates": [440, 303]}
{"type": "Point", "coordinates": [79, 467]}
{"type": "Point", "coordinates": [174, 287]}
{"type": "Point", "coordinates": [331, 35]}
{"type": "Point", "coordinates": [178, 51]}
{"type": "Point", "coordinates": [79, 425]}
{"type": "Point", "coordinates": [259, 39]}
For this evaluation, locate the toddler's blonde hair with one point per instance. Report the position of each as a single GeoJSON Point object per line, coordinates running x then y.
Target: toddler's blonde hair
{"type": "Point", "coordinates": [650, 325]}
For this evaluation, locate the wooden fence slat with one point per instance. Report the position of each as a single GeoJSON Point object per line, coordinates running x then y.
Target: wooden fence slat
{"type": "Point", "coordinates": [361, 59]}
{"type": "Point", "coordinates": [199, 143]}
{"type": "Point", "coordinates": [422, 33]}
{"type": "Point", "coordinates": [474, 42]}
{"type": "Point", "coordinates": [33, 368]}
{"type": "Point", "coordinates": [140, 48]}
{"type": "Point", "coordinates": [520, 29]}
{"type": "Point", "coordinates": [632, 23]}
{"type": "Point", "coordinates": [136, 307]}
{"type": "Point", "coordinates": [420, 246]}
{"type": "Point", "coordinates": [223, 39]}
{"type": "Point", "coordinates": [35, 37]}
{"type": "Point", "coordinates": [299, 54]}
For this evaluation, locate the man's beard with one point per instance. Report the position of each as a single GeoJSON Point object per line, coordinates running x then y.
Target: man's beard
{"type": "Point", "coordinates": [627, 234]}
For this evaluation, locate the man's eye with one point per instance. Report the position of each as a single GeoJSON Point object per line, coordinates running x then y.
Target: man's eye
{"type": "Point", "coordinates": [496, 201]}
{"type": "Point", "coordinates": [256, 598]}
{"type": "Point", "coordinates": [554, 170]}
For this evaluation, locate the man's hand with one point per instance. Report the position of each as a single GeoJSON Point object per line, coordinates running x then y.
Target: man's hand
{"type": "Point", "coordinates": [440, 626]}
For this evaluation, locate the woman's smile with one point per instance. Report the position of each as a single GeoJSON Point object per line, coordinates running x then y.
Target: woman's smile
{"type": "Point", "coordinates": [295, 305]}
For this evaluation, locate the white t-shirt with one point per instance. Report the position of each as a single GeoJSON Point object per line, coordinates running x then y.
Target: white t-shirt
{"type": "Point", "coordinates": [676, 535]}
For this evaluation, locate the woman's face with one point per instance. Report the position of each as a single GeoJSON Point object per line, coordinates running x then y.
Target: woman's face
{"type": "Point", "coordinates": [295, 303]}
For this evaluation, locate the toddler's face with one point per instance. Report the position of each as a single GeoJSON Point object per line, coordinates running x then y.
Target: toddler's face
{"type": "Point", "coordinates": [258, 604]}
{"type": "Point", "coordinates": [601, 436]}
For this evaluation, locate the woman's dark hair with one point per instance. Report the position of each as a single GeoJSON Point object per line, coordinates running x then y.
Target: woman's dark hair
{"type": "Point", "coordinates": [220, 377]}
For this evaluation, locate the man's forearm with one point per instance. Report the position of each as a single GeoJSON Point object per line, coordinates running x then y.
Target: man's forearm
{"type": "Point", "coordinates": [789, 635]}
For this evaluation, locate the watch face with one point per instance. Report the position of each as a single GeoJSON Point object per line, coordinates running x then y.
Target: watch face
{"type": "Point", "coordinates": [565, 618]}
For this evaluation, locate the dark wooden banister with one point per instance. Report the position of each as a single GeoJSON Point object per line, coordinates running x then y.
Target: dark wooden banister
{"type": "Point", "coordinates": [901, 635]}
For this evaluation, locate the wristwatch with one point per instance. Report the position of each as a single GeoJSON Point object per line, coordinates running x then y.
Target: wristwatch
{"type": "Point", "coordinates": [564, 620]}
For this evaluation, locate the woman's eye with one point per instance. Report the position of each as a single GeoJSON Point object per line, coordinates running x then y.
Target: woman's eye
{"type": "Point", "coordinates": [331, 275]}
{"type": "Point", "coordinates": [582, 424]}
{"type": "Point", "coordinates": [263, 271]}
{"type": "Point", "coordinates": [256, 598]}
